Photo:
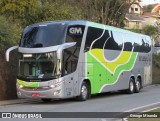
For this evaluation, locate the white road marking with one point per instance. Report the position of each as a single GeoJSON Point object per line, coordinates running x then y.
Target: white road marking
{"type": "Point", "coordinates": [133, 109]}
{"type": "Point", "coordinates": [151, 109]}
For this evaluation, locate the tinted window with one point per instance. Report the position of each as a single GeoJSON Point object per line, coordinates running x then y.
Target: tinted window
{"type": "Point", "coordinates": [92, 36]}
{"type": "Point", "coordinates": [128, 42]}
{"type": "Point", "coordinates": [142, 44]}
{"type": "Point", "coordinates": [70, 59]}
{"type": "Point", "coordinates": [115, 41]}
{"type": "Point", "coordinates": [43, 36]}
{"type": "Point", "coordinates": [75, 34]}
{"type": "Point", "coordinates": [100, 38]}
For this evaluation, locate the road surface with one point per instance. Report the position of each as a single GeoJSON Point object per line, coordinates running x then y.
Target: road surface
{"type": "Point", "coordinates": [149, 97]}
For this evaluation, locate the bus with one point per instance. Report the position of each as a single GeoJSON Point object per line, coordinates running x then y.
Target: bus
{"type": "Point", "coordinates": [77, 58]}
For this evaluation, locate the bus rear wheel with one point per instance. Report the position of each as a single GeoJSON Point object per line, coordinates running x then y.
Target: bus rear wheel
{"type": "Point", "coordinates": [137, 86]}
{"type": "Point", "coordinates": [84, 92]}
{"type": "Point", "coordinates": [131, 86]}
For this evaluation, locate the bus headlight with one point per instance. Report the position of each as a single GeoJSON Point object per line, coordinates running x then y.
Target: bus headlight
{"type": "Point", "coordinates": [55, 85]}
{"type": "Point", "coordinates": [57, 92]}
{"type": "Point", "coordinates": [52, 86]}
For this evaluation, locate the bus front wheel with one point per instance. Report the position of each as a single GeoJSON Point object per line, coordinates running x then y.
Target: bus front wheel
{"type": "Point", "coordinates": [84, 92]}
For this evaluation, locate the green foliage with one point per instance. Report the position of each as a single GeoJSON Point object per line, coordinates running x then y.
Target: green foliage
{"type": "Point", "coordinates": [23, 12]}
{"type": "Point", "coordinates": [136, 30]}
{"type": "Point", "coordinates": [31, 11]}
{"type": "Point", "coordinates": [54, 11]}
{"type": "Point", "coordinates": [9, 33]}
{"type": "Point", "coordinates": [148, 8]}
{"type": "Point", "coordinates": [150, 30]}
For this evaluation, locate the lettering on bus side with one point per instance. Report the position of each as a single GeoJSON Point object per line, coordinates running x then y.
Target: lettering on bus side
{"type": "Point", "coordinates": [144, 58]}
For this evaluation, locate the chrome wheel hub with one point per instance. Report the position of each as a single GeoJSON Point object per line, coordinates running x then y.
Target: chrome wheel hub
{"type": "Point", "coordinates": [84, 91]}
{"type": "Point", "coordinates": [131, 86]}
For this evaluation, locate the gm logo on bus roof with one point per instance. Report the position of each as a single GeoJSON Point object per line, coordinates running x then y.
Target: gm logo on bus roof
{"type": "Point", "coordinates": [75, 30]}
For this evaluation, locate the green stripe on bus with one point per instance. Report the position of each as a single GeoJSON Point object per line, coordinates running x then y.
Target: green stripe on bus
{"type": "Point", "coordinates": [100, 76]}
{"type": "Point", "coordinates": [28, 84]}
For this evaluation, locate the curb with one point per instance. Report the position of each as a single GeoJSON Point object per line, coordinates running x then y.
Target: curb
{"type": "Point", "coordinates": [17, 101]}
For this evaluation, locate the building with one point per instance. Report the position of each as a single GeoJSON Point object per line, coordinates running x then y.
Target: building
{"type": "Point", "coordinates": [133, 21]}
{"type": "Point", "coordinates": [152, 17]}
{"type": "Point", "coordinates": [138, 16]}
{"type": "Point", "coordinates": [136, 8]}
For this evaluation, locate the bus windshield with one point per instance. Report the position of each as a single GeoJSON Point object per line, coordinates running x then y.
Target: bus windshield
{"type": "Point", "coordinates": [43, 35]}
{"type": "Point", "coordinates": [37, 66]}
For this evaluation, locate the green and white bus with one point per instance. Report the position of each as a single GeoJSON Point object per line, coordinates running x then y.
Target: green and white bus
{"type": "Point", "coordinates": [76, 58]}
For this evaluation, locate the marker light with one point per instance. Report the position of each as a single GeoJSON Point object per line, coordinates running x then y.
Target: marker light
{"type": "Point", "coordinates": [27, 55]}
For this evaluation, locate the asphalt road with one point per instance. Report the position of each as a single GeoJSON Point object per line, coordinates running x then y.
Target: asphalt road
{"type": "Point", "coordinates": [149, 97]}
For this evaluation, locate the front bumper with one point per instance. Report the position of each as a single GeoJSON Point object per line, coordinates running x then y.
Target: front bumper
{"type": "Point", "coordinates": [41, 91]}
{"type": "Point", "coordinates": [40, 94]}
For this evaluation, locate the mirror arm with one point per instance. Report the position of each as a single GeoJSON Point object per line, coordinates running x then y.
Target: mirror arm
{"type": "Point", "coordinates": [8, 52]}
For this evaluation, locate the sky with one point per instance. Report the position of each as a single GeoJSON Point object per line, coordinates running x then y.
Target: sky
{"type": "Point", "coordinates": [145, 2]}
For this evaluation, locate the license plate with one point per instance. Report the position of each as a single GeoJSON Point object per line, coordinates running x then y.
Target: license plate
{"type": "Point", "coordinates": [35, 94]}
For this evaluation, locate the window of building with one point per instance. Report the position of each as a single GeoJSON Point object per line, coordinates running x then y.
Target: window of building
{"type": "Point", "coordinates": [136, 9]}
{"type": "Point", "coordinates": [132, 9]}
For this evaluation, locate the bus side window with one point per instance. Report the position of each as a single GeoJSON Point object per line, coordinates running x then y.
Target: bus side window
{"type": "Point", "coordinates": [95, 37]}
{"type": "Point", "coordinates": [114, 41]}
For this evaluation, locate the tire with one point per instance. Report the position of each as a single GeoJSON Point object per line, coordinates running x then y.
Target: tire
{"type": "Point", "coordinates": [131, 87]}
{"type": "Point", "coordinates": [46, 99]}
{"type": "Point", "coordinates": [137, 86]}
{"type": "Point", "coordinates": [84, 92]}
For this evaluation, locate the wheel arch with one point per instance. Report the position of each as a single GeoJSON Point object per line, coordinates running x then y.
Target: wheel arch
{"type": "Point", "coordinates": [88, 83]}
{"type": "Point", "coordinates": [133, 77]}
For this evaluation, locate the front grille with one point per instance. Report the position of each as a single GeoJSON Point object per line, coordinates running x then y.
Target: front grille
{"type": "Point", "coordinates": [36, 88]}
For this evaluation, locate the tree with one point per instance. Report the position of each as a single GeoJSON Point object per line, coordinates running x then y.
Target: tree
{"type": "Point", "coordinates": [111, 12]}
{"type": "Point", "coordinates": [31, 11]}
{"type": "Point", "coordinates": [18, 9]}
{"type": "Point", "coordinates": [9, 33]}
{"type": "Point", "coordinates": [152, 31]}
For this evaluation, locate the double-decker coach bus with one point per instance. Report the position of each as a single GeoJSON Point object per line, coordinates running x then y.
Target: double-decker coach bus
{"type": "Point", "coordinates": [76, 58]}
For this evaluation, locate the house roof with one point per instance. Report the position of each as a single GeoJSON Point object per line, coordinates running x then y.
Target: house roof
{"type": "Point", "coordinates": [156, 8]}
{"type": "Point", "coordinates": [149, 14]}
{"type": "Point", "coordinates": [133, 17]}
{"type": "Point", "coordinates": [136, 4]}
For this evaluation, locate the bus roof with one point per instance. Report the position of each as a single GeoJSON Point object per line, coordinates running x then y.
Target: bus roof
{"type": "Point", "coordinates": [87, 23]}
